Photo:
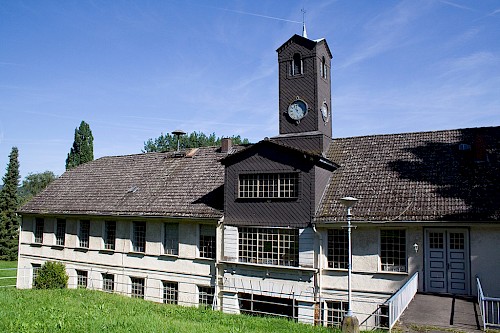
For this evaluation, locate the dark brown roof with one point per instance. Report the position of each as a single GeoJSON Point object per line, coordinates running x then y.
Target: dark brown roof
{"type": "Point", "coordinates": [152, 184]}
{"type": "Point", "coordinates": [451, 175]}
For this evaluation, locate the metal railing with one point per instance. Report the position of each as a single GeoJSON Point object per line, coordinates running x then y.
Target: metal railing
{"type": "Point", "coordinates": [8, 277]}
{"type": "Point", "coordinates": [489, 307]}
{"type": "Point", "coordinates": [400, 300]}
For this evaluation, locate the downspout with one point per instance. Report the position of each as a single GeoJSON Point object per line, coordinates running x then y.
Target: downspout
{"type": "Point", "coordinates": [318, 273]}
{"type": "Point", "coordinates": [219, 240]}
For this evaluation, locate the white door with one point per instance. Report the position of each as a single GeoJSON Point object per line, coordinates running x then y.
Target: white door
{"type": "Point", "coordinates": [447, 261]}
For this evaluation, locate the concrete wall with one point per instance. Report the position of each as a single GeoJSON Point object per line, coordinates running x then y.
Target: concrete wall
{"type": "Point", "coordinates": [485, 258]}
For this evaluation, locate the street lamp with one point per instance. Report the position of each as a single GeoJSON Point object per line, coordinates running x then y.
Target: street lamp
{"type": "Point", "coordinates": [350, 323]}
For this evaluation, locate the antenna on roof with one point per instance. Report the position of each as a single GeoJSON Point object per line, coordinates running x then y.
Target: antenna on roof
{"type": "Point", "coordinates": [304, 32]}
{"type": "Point", "coordinates": [178, 133]}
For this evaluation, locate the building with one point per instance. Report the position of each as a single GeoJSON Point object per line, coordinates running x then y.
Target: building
{"type": "Point", "coordinates": [259, 228]}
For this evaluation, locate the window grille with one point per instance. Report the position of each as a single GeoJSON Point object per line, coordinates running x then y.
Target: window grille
{"type": "Point", "coordinates": [108, 282]}
{"type": "Point", "coordinates": [60, 232]}
{"type": "Point", "coordinates": [137, 287]}
{"type": "Point", "coordinates": [457, 241]}
{"type": "Point", "coordinates": [393, 250]}
{"type": "Point", "coordinates": [139, 237]}
{"type": "Point", "coordinates": [109, 235]}
{"type": "Point", "coordinates": [170, 292]}
{"type": "Point", "coordinates": [81, 279]}
{"type": "Point", "coordinates": [36, 268]}
{"type": "Point", "coordinates": [39, 224]}
{"type": "Point", "coordinates": [272, 185]}
{"type": "Point", "coordinates": [335, 312]}
{"type": "Point", "coordinates": [207, 241]}
{"type": "Point", "coordinates": [171, 238]}
{"type": "Point", "coordinates": [338, 248]}
{"type": "Point", "coordinates": [206, 296]}
{"type": "Point", "coordinates": [84, 233]}
{"type": "Point", "coordinates": [270, 246]}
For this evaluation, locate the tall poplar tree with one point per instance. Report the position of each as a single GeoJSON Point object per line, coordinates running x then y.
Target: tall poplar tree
{"type": "Point", "coordinates": [9, 203]}
{"type": "Point", "coordinates": [83, 147]}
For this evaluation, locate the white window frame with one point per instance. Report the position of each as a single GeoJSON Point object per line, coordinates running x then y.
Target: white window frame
{"type": "Point", "coordinates": [141, 281]}
{"type": "Point", "coordinates": [207, 241]}
{"type": "Point", "coordinates": [133, 240]}
{"type": "Point", "coordinates": [282, 185]}
{"type": "Point", "coordinates": [80, 277]}
{"type": "Point", "coordinates": [388, 264]}
{"type": "Point", "coordinates": [170, 292]}
{"type": "Point", "coordinates": [332, 256]}
{"type": "Point", "coordinates": [105, 282]}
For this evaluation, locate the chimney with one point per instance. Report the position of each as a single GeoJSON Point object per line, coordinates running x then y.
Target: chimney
{"type": "Point", "coordinates": [226, 145]}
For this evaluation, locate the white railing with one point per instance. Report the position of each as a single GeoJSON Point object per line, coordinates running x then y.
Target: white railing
{"type": "Point", "coordinates": [400, 300]}
{"type": "Point", "coordinates": [489, 307]}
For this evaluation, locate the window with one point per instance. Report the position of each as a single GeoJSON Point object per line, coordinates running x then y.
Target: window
{"type": "Point", "coordinates": [139, 237]}
{"type": "Point", "coordinates": [269, 246]}
{"type": "Point", "coordinates": [83, 233]}
{"type": "Point", "coordinates": [338, 255]}
{"type": "Point", "coordinates": [171, 238]}
{"type": "Point", "coordinates": [335, 313]}
{"type": "Point", "coordinates": [206, 296]}
{"type": "Point", "coordinates": [170, 291]}
{"type": "Point", "coordinates": [60, 232]}
{"type": "Point", "coordinates": [324, 68]}
{"type": "Point", "coordinates": [81, 279]}
{"type": "Point", "coordinates": [207, 241]}
{"type": "Point", "coordinates": [393, 250]}
{"type": "Point", "coordinates": [39, 223]}
{"type": "Point", "coordinates": [137, 287]}
{"type": "Point", "coordinates": [109, 235]}
{"type": "Point", "coordinates": [272, 185]}
{"type": "Point", "coordinates": [108, 282]}
{"type": "Point", "coordinates": [35, 267]}
{"type": "Point", "coordinates": [296, 67]}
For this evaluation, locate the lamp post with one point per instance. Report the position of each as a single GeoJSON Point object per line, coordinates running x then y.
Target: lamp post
{"type": "Point", "coordinates": [350, 323]}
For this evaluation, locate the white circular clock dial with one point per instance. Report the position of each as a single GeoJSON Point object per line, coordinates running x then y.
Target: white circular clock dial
{"type": "Point", "coordinates": [297, 110]}
{"type": "Point", "coordinates": [324, 111]}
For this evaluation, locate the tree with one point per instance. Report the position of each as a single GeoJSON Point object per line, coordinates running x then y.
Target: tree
{"type": "Point", "coordinates": [168, 142]}
{"type": "Point", "coordinates": [9, 203]}
{"type": "Point", "coordinates": [83, 147]}
{"type": "Point", "coordinates": [35, 183]}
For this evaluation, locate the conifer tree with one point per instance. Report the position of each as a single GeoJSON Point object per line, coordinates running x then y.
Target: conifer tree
{"type": "Point", "coordinates": [9, 202]}
{"type": "Point", "coordinates": [83, 147]}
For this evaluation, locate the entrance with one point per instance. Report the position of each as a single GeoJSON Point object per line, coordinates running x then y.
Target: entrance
{"type": "Point", "coordinates": [447, 261]}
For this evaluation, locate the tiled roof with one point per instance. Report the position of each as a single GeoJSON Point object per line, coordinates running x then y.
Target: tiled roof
{"type": "Point", "coordinates": [426, 176]}
{"type": "Point", "coordinates": [152, 184]}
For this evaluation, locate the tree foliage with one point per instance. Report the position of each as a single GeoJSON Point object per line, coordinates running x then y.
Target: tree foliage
{"type": "Point", "coordinates": [168, 142]}
{"type": "Point", "coordinates": [52, 275]}
{"type": "Point", "coordinates": [35, 183]}
{"type": "Point", "coordinates": [83, 147]}
{"type": "Point", "coordinates": [9, 203]}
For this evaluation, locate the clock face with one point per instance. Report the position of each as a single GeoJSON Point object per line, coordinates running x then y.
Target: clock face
{"type": "Point", "coordinates": [297, 110]}
{"type": "Point", "coordinates": [324, 112]}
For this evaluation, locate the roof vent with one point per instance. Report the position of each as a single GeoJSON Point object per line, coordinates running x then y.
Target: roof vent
{"type": "Point", "coordinates": [464, 147]}
{"type": "Point", "coordinates": [178, 133]}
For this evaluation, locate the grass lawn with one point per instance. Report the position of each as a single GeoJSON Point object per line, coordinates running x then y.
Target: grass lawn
{"type": "Point", "coordinates": [7, 274]}
{"type": "Point", "coordinates": [81, 310]}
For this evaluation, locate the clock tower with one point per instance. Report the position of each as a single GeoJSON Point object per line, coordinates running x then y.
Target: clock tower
{"type": "Point", "coordinates": [305, 94]}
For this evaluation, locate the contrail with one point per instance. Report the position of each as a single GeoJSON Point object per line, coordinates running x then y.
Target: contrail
{"type": "Point", "coordinates": [258, 15]}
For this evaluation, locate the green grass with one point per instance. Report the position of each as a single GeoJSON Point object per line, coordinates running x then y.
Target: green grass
{"type": "Point", "coordinates": [8, 275]}
{"type": "Point", "coordinates": [81, 310]}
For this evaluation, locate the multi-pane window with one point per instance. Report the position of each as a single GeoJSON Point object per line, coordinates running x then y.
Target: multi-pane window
{"type": "Point", "coordinates": [457, 241]}
{"type": "Point", "coordinates": [108, 282]}
{"type": "Point", "coordinates": [335, 312]}
{"type": "Point", "coordinates": [393, 250]}
{"type": "Point", "coordinates": [39, 224]}
{"type": "Point", "coordinates": [60, 232]}
{"type": "Point", "coordinates": [170, 292]}
{"type": "Point", "coordinates": [84, 233]}
{"type": "Point", "coordinates": [269, 185]}
{"type": "Point", "coordinates": [171, 238]}
{"type": "Point", "coordinates": [81, 279]}
{"type": "Point", "coordinates": [205, 295]}
{"type": "Point", "coordinates": [36, 268]}
{"type": "Point", "coordinates": [207, 241]}
{"type": "Point", "coordinates": [137, 287]}
{"type": "Point", "coordinates": [139, 237]}
{"type": "Point", "coordinates": [270, 246]}
{"type": "Point", "coordinates": [109, 235]}
{"type": "Point", "coordinates": [338, 248]}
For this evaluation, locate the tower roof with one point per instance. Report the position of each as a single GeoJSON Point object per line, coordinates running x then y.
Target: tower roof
{"type": "Point", "coordinates": [305, 42]}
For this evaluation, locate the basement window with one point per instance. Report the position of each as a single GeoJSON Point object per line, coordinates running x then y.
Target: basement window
{"type": "Point", "coordinates": [137, 290]}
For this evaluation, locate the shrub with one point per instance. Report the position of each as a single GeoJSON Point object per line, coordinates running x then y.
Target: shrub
{"type": "Point", "coordinates": [52, 275]}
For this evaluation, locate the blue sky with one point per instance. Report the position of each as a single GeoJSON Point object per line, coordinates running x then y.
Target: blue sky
{"type": "Point", "coordinates": [136, 69]}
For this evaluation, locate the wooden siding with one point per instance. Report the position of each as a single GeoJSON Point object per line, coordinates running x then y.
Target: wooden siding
{"type": "Point", "coordinates": [230, 243]}
{"type": "Point", "coordinates": [306, 247]}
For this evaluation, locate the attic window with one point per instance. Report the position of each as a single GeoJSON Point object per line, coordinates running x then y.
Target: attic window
{"type": "Point", "coordinates": [296, 67]}
{"type": "Point", "coordinates": [133, 189]}
{"type": "Point", "coordinates": [271, 185]}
